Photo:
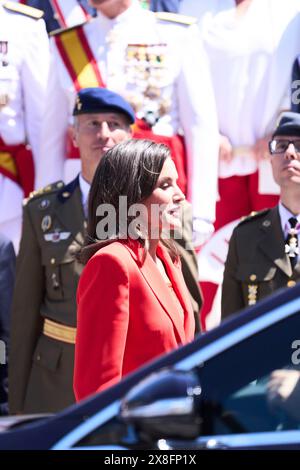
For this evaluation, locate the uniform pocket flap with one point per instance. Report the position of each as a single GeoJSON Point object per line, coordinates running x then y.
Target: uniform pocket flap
{"type": "Point", "coordinates": [47, 353]}
{"type": "Point", "coordinates": [56, 257]}
{"type": "Point", "coordinates": [253, 273]}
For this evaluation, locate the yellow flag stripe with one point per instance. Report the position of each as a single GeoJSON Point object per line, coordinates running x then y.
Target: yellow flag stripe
{"type": "Point", "coordinates": [79, 60]}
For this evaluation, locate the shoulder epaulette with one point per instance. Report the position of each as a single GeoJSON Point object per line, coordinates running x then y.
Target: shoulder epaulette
{"type": "Point", "coordinates": [26, 10]}
{"type": "Point", "coordinates": [50, 188]}
{"type": "Point", "coordinates": [252, 216]}
{"type": "Point", "coordinates": [65, 30]}
{"type": "Point", "coordinates": [176, 18]}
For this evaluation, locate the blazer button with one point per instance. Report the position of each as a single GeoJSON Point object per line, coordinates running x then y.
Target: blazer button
{"type": "Point", "coordinates": [291, 283]}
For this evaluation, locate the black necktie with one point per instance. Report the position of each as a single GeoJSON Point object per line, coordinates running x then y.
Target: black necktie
{"type": "Point", "coordinates": [291, 242]}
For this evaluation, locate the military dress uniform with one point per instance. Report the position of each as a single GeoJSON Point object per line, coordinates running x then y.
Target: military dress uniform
{"type": "Point", "coordinates": [257, 263]}
{"type": "Point", "coordinates": [24, 61]}
{"type": "Point", "coordinates": [44, 305]}
{"type": "Point", "coordinates": [144, 58]}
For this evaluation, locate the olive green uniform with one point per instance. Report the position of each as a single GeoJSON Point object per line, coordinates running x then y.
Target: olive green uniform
{"type": "Point", "coordinates": [41, 367]}
{"type": "Point", "coordinates": [256, 264]}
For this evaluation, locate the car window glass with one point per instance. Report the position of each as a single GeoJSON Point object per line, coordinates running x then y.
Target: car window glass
{"type": "Point", "coordinates": [234, 383]}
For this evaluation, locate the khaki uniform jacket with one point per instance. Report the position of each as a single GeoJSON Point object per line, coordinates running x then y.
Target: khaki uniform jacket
{"type": "Point", "coordinates": [256, 264]}
{"type": "Point", "coordinates": [41, 368]}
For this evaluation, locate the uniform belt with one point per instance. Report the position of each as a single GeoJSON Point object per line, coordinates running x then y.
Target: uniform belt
{"type": "Point", "coordinates": [58, 331]}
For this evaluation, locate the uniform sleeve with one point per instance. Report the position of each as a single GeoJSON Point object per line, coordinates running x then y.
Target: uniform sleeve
{"type": "Point", "coordinates": [26, 322]}
{"type": "Point", "coordinates": [102, 324]}
{"type": "Point", "coordinates": [34, 81]}
{"type": "Point", "coordinates": [7, 278]}
{"type": "Point", "coordinates": [232, 295]}
{"type": "Point", "coordinates": [52, 147]}
{"type": "Point", "coordinates": [189, 264]}
{"type": "Point", "coordinates": [198, 117]}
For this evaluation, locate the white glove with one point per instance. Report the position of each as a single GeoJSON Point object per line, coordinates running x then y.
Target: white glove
{"type": "Point", "coordinates": [202, 231]}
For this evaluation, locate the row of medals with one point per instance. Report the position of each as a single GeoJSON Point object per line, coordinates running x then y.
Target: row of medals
{"type": "Point", "coordinates": [145, 67]}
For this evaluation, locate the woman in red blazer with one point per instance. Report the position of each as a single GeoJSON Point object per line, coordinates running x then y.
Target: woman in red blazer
{"type": "Point", "coordinates": [133, 304]}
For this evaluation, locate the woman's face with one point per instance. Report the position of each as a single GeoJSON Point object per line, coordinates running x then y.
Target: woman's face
{"type": "Point", "coordinates": [164, 205]}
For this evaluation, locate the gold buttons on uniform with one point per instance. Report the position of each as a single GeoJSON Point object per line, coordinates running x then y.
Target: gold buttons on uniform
{"type": "Point", "coordinates": [253, 277]}
{"type": "Point", "coordinates": [52, 261]}
{"type": "Point", "coordinates": [291, 283]}
{"type": "Point", "coordinates": [66, 194]}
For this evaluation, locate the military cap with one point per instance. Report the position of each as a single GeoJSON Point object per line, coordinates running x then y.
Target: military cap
{"type": "Point", "coordinates": [100, 100]}
{"type": "Point", "coordinates": [289, 124]}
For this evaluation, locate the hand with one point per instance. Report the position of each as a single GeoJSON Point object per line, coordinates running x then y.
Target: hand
{"type": "Point", "coordinates": [261, 148]}
{"type": "Point", "coordinates": [202, 231]}
{"type": "Point", "coordinates": [225, 149]}
{"type": "Point", "coordinates": [283, 391]}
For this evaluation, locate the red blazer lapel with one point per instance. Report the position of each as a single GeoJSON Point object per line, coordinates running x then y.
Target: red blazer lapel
{"type": "Point", "coordinates": [160, 289]}
{"type": "Point", "coordinates": [175, 274]}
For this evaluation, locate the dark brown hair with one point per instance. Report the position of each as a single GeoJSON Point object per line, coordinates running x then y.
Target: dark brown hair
{"type": "Point", "coordinates": [129, 169]}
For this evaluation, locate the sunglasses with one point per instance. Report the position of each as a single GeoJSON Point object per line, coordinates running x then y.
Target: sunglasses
{"type": "Point", "coordinates": [277, 146]}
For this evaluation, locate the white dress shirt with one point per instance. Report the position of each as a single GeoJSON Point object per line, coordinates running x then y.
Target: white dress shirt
{"type": "Point", "coordinates": [285, 215]}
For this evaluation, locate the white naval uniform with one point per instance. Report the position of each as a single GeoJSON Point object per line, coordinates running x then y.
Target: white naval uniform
{"type": "Point", "coordinates": [184, 90]}
{"type": "Point", "coordinates": [251, 61]}
{"type": "Point", "coordinates": [23, 79]}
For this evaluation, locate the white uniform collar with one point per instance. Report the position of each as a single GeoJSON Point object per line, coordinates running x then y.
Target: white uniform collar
{"type": "Point", "coordinates": [85, 189]}
{"type": "Point", "coordinates": [285, 214]}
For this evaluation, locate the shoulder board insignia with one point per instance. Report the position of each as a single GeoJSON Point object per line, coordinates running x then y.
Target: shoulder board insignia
{"type": "Point", "coordinates": [65, 30]}
{"type": "Point", "coordinates": [253, 215]}
{"type": "Point", "coordinates": [26, 10]}
{"type": "Point", "coordinates": [50, 188]}
{"type": "Point", "coordinates": [176, 18]}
